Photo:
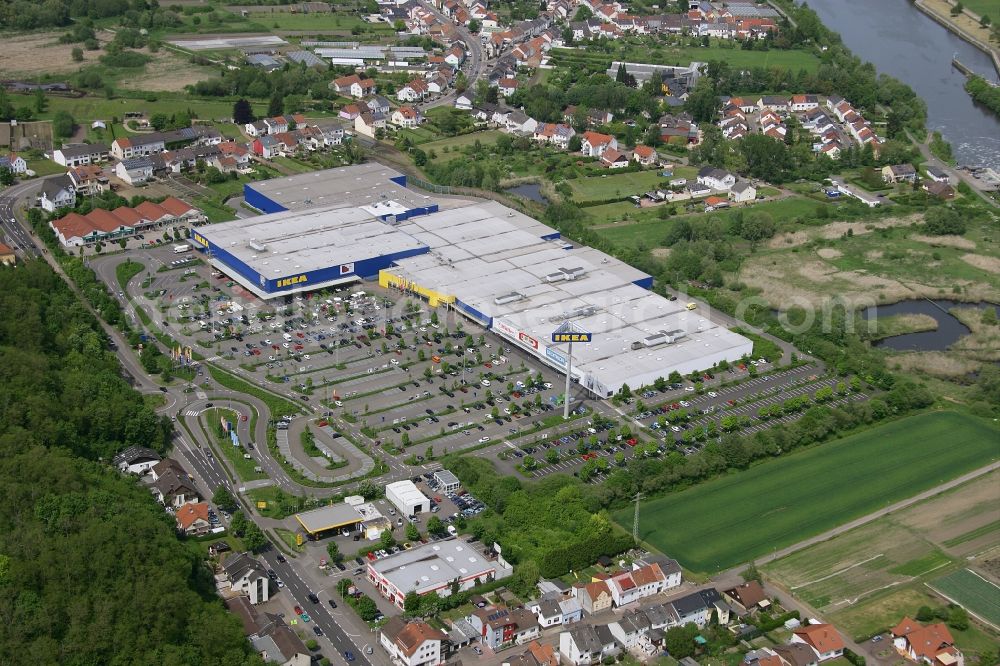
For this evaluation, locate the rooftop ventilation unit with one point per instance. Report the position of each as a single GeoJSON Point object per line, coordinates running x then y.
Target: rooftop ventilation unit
{"type": "Point", "coordinates": [257, 247]}
{"type": "Point", "coordinates": [566, 274]}
{"type": "Point", "coordinates": [659, 338]}
{"type": "Point", "coordinates": [512, 297]}
{"type": "Point", "coordinates": [575, 313]}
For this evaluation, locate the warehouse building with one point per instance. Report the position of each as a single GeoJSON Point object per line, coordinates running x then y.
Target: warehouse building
{"type": "Point", "coordinates": [493, 265]}
{"type": "Point", "coordinates": [407, 498]}
{"type": "Point", "coordinates": [438, 567]}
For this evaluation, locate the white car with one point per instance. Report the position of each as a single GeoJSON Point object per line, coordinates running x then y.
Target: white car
{"type": "Point", "coordinates": [267, 342]}
{"type": "Point", "coordinates": [271, 358]}
{"type": "Point", "coordinates": [689, 388]}
{"type": "Point", "coordinates": [393, 361]}
{"type": "Point", "coordinates": [675, 428]}
{"type": "Point", "coordinates": [713, 394]}
{"type": "Point", "coordinates": [338, 403]}
{"type": "Point", "coordinates": [285, 345]}
{"type": "Point", "coordinates": [306, 357]}
{"type": "Point", "coordinates": [547, 385]}
{"type": "Point", "coordinates": [483, 440]}
{"type": "Point", "coordinates": [485, 382]}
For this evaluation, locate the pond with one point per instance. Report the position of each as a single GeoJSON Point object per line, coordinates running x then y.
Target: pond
{"type": "Point", "coordinates": [531, 191]}
{"type": "Point", "coordinates": [949, 328]}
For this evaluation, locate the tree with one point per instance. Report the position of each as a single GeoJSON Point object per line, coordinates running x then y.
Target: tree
{"type": "Point", "coordinates": [679, 641]}
{"type": "Point", "coordinates": [41, 102]}
{"type": "Point", "coordinates": [63, 124]}
{"type": "Point", "coordinates": [224, 499]}
{"type": "Point", "coordinates": [943, 220]}
{"type": "Point", "coordinates": [242, 112]}
{"type": "Point", "coordinates": [925, 614]}
{"type": "Point", "coordinates": [159, 121]}
{"type": "Point", "coordinates": [276, 106]}
{"type": "Point", "coordinates": [958, 618]}
{"type": "Point", "coordinates": [387, 540]}
{"type": "Point", "coordinates": [625, 392]}
{"type": "Point", "coordinates": [411, 603]}
{"type": "Point", "coordinates": [253, 538]}
{"type": "Point", "coordinates": [333, 550]}
{"type": "Point", "coordinates": [436, 526]}
{"type": "Point", "coordinates": [77, 54]}
{"type": "Point", "coordinates": [751, 573]}
{"type": "Point", "coordinates": [366, 608]}
{"type": "Point", "coordinates": [412, 533]}
{"type": "Point", "coordinates": [6, 176]}
{"type": "Point", "coordinates": [703, 102]}
{"type": "Point", "coordinates": [473, 26]}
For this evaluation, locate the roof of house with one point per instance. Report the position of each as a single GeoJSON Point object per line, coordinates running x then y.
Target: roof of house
{"type": "Point", "coordinates": [585, 638]}
{"type": "Point", "coordinates": [612, 155]}
{"type": "Point", "coordinates": [751, 592]}
{"type": "Point", "coordinates": [173, 483]}
{"type": "Point", "coordinates": [191, 512]}
{"type": "Point", "coordinates": [545, 655]}
{"type": "Point", "coordinates": [796, 654]}
{"type": "Point", "coordinates": [597, 139]}
{"type": "Point", "coordinates": [925, 641]}
{"type": "Point", "coordinates": [5, 249]}
{"type": "Point", "coordinates": [80, 149]}
{"type": "Point", "coordinates": [151, 211]}
{"type": "Point", "coordinates": [239, 565]}
{"type": "Point", "coordinates": [175, 206]}
{"type": "Point", "coordinates": [508, 83]}
{"type": "Point", "coordinates": [822, 637]}
{"type": "Point", "coordinates": [644, 151]}
{"type": "Point", "coordinates": [53, 186]}
{"type": "Point", "coordinates": [549, 608]}
{"type": "Point", "coordinates": [410, 637]}
{"type": "Point", "coordinates": [596, 589]}
{"type": "Point", "coordinates": [742, 186]}
{"type": "Point", "coordinates": [648, 575]}
{"type": "Point", "coordinates": [135, 454]}
{"type": "Point", "coordinates": [712, 172]}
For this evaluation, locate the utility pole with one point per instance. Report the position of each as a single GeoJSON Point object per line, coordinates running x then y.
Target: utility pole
{"type": "Point", "coordinates": [635, 519]}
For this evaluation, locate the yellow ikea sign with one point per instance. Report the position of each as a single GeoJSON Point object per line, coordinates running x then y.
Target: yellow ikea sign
{"type": "Point", "coordinates": [288, 282]}
{"type": "Point", "coordinates": [201, 240]}
{"type": "Point", "coordinates": [571, 337]}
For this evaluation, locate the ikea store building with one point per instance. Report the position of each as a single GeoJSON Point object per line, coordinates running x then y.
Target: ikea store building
{"type": "Point", "coordinates": [500, 268]}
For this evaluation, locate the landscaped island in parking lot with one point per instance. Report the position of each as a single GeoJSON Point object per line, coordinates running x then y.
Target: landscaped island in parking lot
{"type": "Point", "coordinates": [738, 517]}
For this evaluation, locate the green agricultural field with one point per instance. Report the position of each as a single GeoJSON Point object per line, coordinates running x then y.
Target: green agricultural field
{"type": "Point", "coordinates": [973, 592]}
{"type": "Point", "coordinates": [682, 55]}
{"type": "Point", "coordinates": [458, 142]}
{"type": "Point", "coordinates": [87, 109]}
{"type": "Point", "coordinates": [334, 22]}
{"type": "Point", "coordinates": [742, 516]}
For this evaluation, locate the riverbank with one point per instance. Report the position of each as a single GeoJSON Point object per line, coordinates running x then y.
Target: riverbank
{"type": "Point", "coordinates": [964, 26]}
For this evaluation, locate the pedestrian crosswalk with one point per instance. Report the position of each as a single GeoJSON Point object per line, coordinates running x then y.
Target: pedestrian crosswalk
{"type": "Point", "coordinates": [191, 412]}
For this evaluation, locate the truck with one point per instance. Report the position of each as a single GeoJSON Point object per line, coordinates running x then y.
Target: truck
{"type": "Point", "coordinates": [180, 249]}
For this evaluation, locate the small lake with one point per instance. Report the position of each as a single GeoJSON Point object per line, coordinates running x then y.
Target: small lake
{"type": "Point", "coordinates": [949, 328]}
{"type": "Point", "coordinates": [531, 191]}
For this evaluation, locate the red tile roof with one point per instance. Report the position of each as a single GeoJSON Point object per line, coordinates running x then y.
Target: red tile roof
{"type": "Point", "coordinates": [175, 206]}
{"type": "Point", "coordinates": [190, 512]}
{"type": "Point", "coordinates": [821, 637]}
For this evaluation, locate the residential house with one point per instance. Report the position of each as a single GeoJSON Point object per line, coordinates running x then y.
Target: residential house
{"type": "Point", "coordinates": [135, 170]}
{"type": "Point", "coordinates": [272, 639]}
{"type": "Point", "coordinates": [237, 151]}
{"type": "Point", "coordinates": [379, 104]}
{"type": "Point", "coordinates": [773, 103]}
{"type": "Point", "coordinates": [247, 576]}
{"type": "Point", "coordinates": [614, 159]}
{"type": "Point", "coordinates": [7, 256]}
{"type": "Point", "coordinates": [537, 655]}
{"type": "Point", "coordinates": [136, 460]}
{"type": "Point", "coordinates": [716, 179]}
{"type": "Point", "coordinates": [258, 128]}
{"type": "Point", "coordinates": [803, 103]}
{"type": "Point", "coordinates": [899, 173]}
{"type": "Point", "coordinates": [594, 597]}
{"type": "Point", "coordinates": [350, 111]}
{"type": "Point", "coordinates": [593, 144]}
{"type": "Point", "coordinates": [645, 155]}
{"type": "Point", "coordinates": [192, 519]}
{"type": "Point", "coordinates": [571, 609]}
{"type": "Point", "coordinates": [670, 569]}
{"type": "Point", "coordinates": [57, 192]}
{"type": "Point", "coordinates": [406, 116]}
{"type": "Point", "coordinates": [547, 611]}
{"type": "Point", "coordinates": [172, 486]}
{"type": "Point", "coordinates": [623, 588]}
{"type": "Point", "coordinates": [581, 646]}
{"type": "Point", "coordinates": [413, 643]}
{"type": "Point", "coordinates": [697, 608]}
{"type": "Point", "coordinates": [796, 654]}
{"type": "Point", "coordinates": [750, 596]}
{"type": "Point", "coordinates": [138, 145]}
{"type": "Point", "coordinates": [414, 91]}
{"type": "Point", "coordinates": [557, 134]}
{"type": "Point", "coordinates": [931, 644]}
{"type": "Point", "coordinates": [939, 190]}
{"type": "Point", "coordinates": [521, 123]}
{"type": "Point", "coordinates": [822, 638]}
{"type": "Point", "coordinates": [88, 180]}
{"type": "Point", "coordinates": [499, 626]}
{"type": "Point", "coordinates": [507, 87]}
{"type": "Point", "coordinates": [80, 154]}
{"type": "Point", "coordinates": [368, 123]}
{"type": "Point", "coordinates": [742, 192]}
{"type": "Point", "coordinates": [937, 175]}
{"type": "Point", "coordinates": [437, 83]}
{"type": "Point", "coordinates": [354, 86]}
{"type": "Point", "coordinates": [629, 628]}
{"type": "Point", "coordinates": [14, 162]}
{"type": "Point", "coordinates": [267, 146]}
{"type": "Point", "coordinates": [463, 103]}
{"type": "Point", "coordinates": [455, 56]}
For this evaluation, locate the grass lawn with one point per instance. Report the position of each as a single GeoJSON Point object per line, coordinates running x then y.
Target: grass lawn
{"type": "Point", "coordinates": [456, 142]}
{"type": "Point", "coordinates": [973, 592]}
{"type": "Point", "coordinates": [244, 468]}
{"type": "Point", "coordinates": [418, 135]}
{"type": "Point", "coordinates": [292, 165]}
{"type": "Point", "coordinates": [683, 55]}
{"type": "Point", "coordinates": [621, 185]}
{"type": "Point", "coordinates": [86, 109]}
{"type": "Point", "coordinates": [730, 520]}
{"type": "Point", "coordinates": [44, 167]}
{"type": "Point", "coordinates": [283, 20]}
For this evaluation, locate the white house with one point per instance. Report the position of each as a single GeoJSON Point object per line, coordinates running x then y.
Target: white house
{"type": "Point", "coordinates": [507, 87]}
{"type": "Point", "coordinates": [192, 519]}
{"type": "Point", "coordinates": [414, 91]}
{"type": "Point", "coordinates": [519, 121]}
{"type": "Point", "coordinates": [414, 643]}
{"type": "Point", "coordinates": [80, 154]}
{"type": "Point", "coordinates": [136, 460]}
{"type": "Point", "coordinates": [743, 192]}
{"type": "Point", "coordinates": [822, 638]}
{"type": "Point", "coordinates": [246, 575]}
{"type": "Point", "coordinates": [931, 644]}
{"type": "Point", "coordinates": [582, 646]}
{"type": "Point", "coordinates": [716, 179]}
{"type": "Point", "coordinates": [367, 123]}
{"type": "Point", "coordinates": [57, 193]}
{"type": "Point", "coordinates": [463, 103]}
{"type": "Point", "coordinates": [406, 116]}
{"type": "Point", "coordinates": [593, 144]}
{"type": "Point", "coordinates": [135, 170]}
{"type": "Point", "coordinates": [14, 162]}
{"type": "Point", "coordinates": [548, 612]}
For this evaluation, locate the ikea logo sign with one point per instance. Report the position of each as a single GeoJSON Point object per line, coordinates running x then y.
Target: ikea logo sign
{"type": "Point", "coordinates": [288, 282]}
{"type": "Point", "coordinates": [200, 240]}
{"type": "Point", "coordinates": [571, 337]}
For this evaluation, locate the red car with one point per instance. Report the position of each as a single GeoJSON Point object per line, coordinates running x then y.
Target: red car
{"type": "Point", "coordinates": [298, 610]}
{"type": "Point", "coordinates": [730, 402]}
{"type": "Point", "coordinates": [487, 365]}
{"type": "Point", "coordinates": [300, 335]}
{"type": "Point", "coordinates": [243, 417]}
{"type": "Point", "coordinates": [298, 347]}
{"type": "Point", "coordinates": [516, 394]}
{"type": "Point", "coordinates": [275, 347]}
{"type": "Point", "coordinates": [631, 441]}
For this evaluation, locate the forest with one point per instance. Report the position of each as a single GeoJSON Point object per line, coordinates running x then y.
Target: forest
{"type": "Point", "coordinates": [91, 568]}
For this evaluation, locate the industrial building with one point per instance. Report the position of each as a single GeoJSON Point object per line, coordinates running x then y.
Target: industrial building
{"type": "Point", "coordinates": [493, 265]}
{"type": "Point", "coordinates": [438, 566]}
{"type": "Point", "coordinates": [447, 481]}
{"type": "Point", "coordinates": [407, 498]}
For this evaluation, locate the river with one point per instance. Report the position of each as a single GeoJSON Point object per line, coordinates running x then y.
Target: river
{"type": "Point", "coordinates": [902, 41]}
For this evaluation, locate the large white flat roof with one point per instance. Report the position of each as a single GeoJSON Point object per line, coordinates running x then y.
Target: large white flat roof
{"type": "Point", "coordinates": [407, 492]}
{"type": "Point", "coordinates": [432, 565]}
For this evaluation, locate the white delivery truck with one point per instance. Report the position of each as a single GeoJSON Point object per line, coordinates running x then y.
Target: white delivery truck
{"type": "Point", "coordinates": [180, 249]}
